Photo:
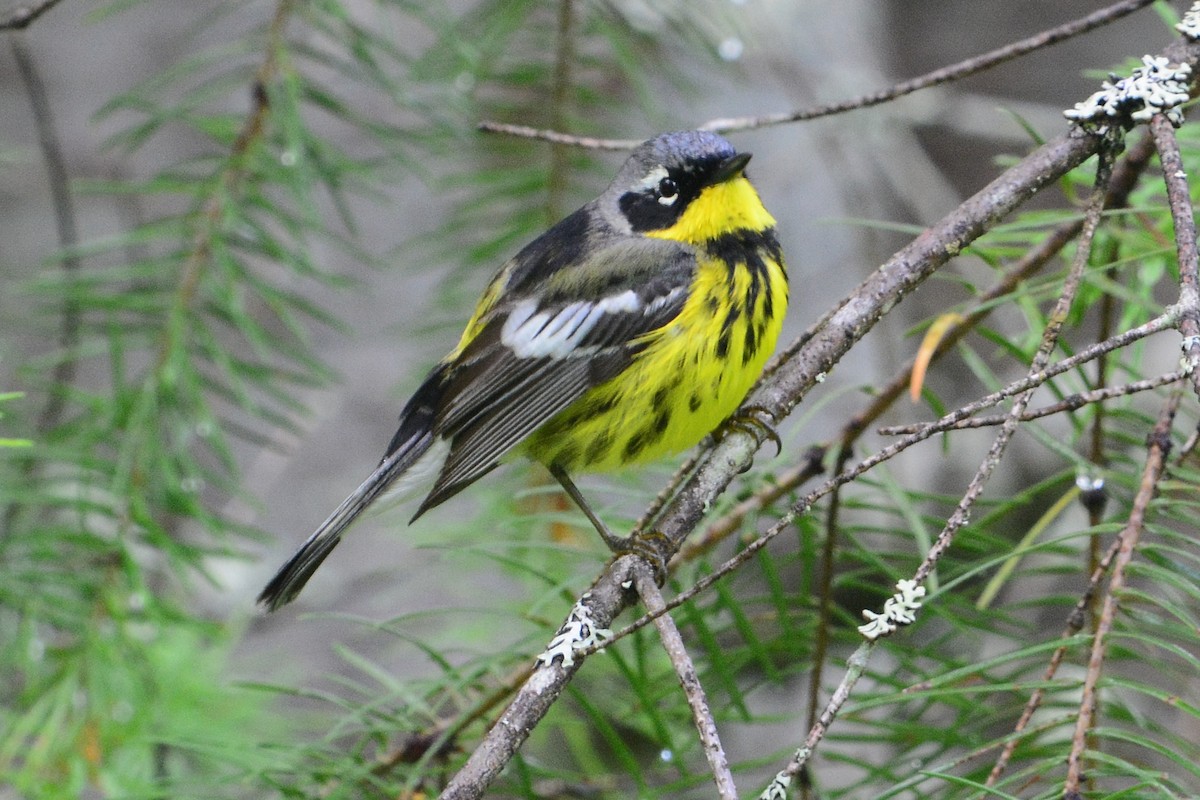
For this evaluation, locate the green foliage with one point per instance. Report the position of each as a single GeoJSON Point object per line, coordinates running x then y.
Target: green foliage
{"type": "Point", "coordinates": [193, 325]}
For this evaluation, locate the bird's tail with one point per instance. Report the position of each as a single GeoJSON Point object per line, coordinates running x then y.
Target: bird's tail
{"type": "Point", "coordinates": [292, 576]}
{"type": "Point", "coordinates": [411, 442]}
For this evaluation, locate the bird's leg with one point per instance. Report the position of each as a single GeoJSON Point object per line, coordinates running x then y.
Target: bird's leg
{"type": "Point", "coordinates": [615, 543]}
{"type": "Point", "coordinates": [648, 545]}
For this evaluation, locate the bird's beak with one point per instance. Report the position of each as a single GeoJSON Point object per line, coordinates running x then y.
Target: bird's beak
{"type": "Point", "coordinates": [730, 168]}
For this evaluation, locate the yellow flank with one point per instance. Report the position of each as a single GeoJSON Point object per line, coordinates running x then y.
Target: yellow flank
{"type": "Point", "coordinates": [694, 372]}
{"type": "Point", "coordinates": [475, 324]}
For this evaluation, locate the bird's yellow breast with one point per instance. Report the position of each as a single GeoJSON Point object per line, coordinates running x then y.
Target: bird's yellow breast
{"type": "Point", "coordinates": [695, 371]}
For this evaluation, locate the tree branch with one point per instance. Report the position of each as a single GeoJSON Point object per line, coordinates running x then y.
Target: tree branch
{"type": "Point", "coordinates": [1179, 200]}
{"type": "Point", "coordinates": [1125, 177]}
{"type": "Point", "coordinates": [975, 488]}
{"type": "Point", "coordinates": [946, 74]}
{"type": "Point", "coordinates": [692, 689]}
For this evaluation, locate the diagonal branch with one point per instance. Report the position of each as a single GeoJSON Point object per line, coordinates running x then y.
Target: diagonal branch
{"type": "Point", "coordinates": [1071, 402]}
{"type": "Point", "coordinates": [1156, 325]}
{"type": "Point", "coordinates": [947, 74]}
{"type": "Point", "coordinates": [688, 680]}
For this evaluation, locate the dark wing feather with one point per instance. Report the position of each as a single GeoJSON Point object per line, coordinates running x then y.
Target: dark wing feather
{"type": "Point", "coordinates": [495, 395]}
{"type": "Point", "coordinates": [412, 439]}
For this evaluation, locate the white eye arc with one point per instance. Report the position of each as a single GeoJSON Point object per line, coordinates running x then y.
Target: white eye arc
{"type": "Point", "coordinates": [659, 183]}
{"type": "Point", "coordinates": [668, 192]}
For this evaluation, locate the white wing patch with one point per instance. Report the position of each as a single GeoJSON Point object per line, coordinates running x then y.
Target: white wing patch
{"type": "Point", "coordinates": [666, 299]}
{"type": "Point", "coordinates": [537, 334]}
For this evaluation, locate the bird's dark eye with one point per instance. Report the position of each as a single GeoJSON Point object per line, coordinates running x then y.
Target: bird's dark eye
{"type": "Point", "coordinates": [667, 188]}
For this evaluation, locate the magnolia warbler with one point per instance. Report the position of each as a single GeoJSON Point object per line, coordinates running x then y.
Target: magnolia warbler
{"type": "Point", "coordinates": [629, 330]}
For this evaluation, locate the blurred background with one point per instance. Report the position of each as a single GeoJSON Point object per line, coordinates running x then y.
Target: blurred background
{"type": "Point", "coordinates": [416, 212]}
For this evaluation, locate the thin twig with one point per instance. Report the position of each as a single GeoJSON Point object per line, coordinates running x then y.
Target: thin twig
{"type": "Point", "coordinates": [810, 466]}
{"type": "Point", "coordinates": [1188, 446]}
{"type": "Point", "coordinates": [1160, 445]}
{"type": "Point", "coordinates": [1071, 402]}
{"type": "Point", "coordinates": [556, 137]}
{"type": "Point", "coordinates": [856, 665]}
{"type": "Point", "coordinates": [1169, 319]}
{"type": "Point", "coordinates": [946, 74]}
{"type": "Point", "coordinates": [1180, 201]}
{"type": "Point", "coordinates": [22, 17]}
{"type": "Point", "coordinates": [1054, 323]}
{"type": "Point", "coordinates": [686, 671]}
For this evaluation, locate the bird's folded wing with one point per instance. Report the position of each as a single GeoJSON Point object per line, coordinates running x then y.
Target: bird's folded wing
{"type": "Point", "coordinates": [539, 352]}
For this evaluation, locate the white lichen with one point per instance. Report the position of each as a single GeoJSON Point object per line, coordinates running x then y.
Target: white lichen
{"type": "Point", "coordinates": [1189, 26]}
{"type": "Point", "coordinates": [899, 609]}
{"type": "Point", "coordinates": [579, 632]}
{"type": "Point", "coordinates": [1187, 361]}
{"type": "Point", "coordinates": [777, 788]}
{"type": "Point", "coordinates": [1154, 87]}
